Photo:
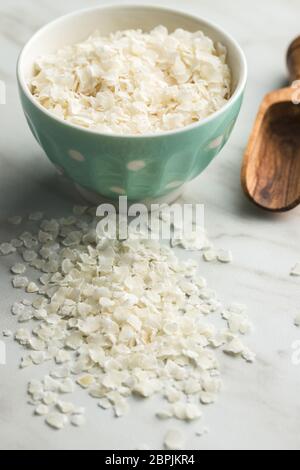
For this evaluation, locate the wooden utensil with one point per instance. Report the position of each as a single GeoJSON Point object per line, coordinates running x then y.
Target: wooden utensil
{"type": "Point", "coordinates": [271, 167]}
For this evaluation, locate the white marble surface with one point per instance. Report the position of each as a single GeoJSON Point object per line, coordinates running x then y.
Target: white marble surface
{"type": "Point", "coordinates": [260, 405]}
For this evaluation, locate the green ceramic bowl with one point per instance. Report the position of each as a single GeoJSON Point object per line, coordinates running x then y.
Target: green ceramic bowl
{"type": "Point", "coordinates": [148, 167]}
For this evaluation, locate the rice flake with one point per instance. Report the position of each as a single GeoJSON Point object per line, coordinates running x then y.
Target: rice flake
{"type": "Point", "coordinates": [122, 318]}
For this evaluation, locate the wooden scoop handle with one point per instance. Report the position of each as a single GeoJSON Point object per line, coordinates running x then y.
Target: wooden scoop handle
{"type": "Point", "coordinates": [293, 60]}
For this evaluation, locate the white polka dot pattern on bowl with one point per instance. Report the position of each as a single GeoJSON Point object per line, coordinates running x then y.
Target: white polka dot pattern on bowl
{"type": "Point", "coordinates": [174, 184]}
{"type": "Point", "coordinates": [117, 190]}
{"type": "Point", "coordinates": [77, 156]}
{"type": "Point", "coordinates": [216, 143]}
{"type": "Point", "coordinates": [136, 165]}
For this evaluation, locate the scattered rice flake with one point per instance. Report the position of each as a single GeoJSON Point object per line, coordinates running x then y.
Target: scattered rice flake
{"type": "Point", "coordinates": [202, 432]}
{"type": "Point", "coordinates": [104, 403]}
{"type": "Point", "coordinates": [186, 411]}
{"type": "Point", "coordinates": [74, 341]}
{"type": "Point", "coordinates": [26, 315]}
{"type": "Point", "coordinates": [32, 288]}
{"type": "Point", "coordinates": [173, 395]}
{"type": "Point", "coordinates": [42, 410]}
{"type": "Point", "coordinates": [237, 308]}
{"type": "Point", "coordinates": [78, 420]}
{"type": "Point", "coordinates": [174, 440]}
{"type": "Point", "coordinates": [209, 255]}
{"type": "Point", "coordinates": [38, 357]}
{"type": "Point", "coordinates": [164, 414]}
{"type": "Point", "coordinates": [101, 73]}
{"type": "Point", "coordinates": [195, 241]}
{"type": "Point", "coordinates": [62, 356]}
{"type": "Point", "coordinates": [18, 268]}
{"type": "Point", "coordinates": [144, 389]}
{"type": "Point", "coordinates": [49, 398]}
{"type": "Point", "coordinates": [60, 372]}
{"type": "Point", "coordinates": [37, 344]}
{"type": "Point", "coordinates": [238, 323]}
{"type": "Point", "coordinates": [16, 220]}
{"type": "Point", "coordinates": [29, 255]}
{"type": "Point", "coordinates": [20, 282]}
{"type": "Point", "coordinates": [50, 384]}
{"type": "Point", "coordinates": [23, 336]}
{"type": "Point", "coordinates": [40, 314]}
{"type": "Point", "coordinates": [121, 407]}
{"type": "Point", "coordinates": [225, 256]}
{"type": "Point", "coordinates": [35, 386]}
{"type": "Point", "coordinates": [79, 210]}
{"type": "Point", "coordinates": [36, 216]}
{"type": "Point", "coordinates": [234, 347]}
{"type": "Point", "coordinates": [30, 244]}
{"type": "Point", "coordinates": [80, 410]}
{"type": "Point", "coordinates": [51, 226]}
{"type": "Point", "coordinates": [207, 398]}
{"type": "Point", "coordinates": [295, 271]}
{"type": "Point", "coordinates": [86, 381]}
{"type": "Point", "coordinates": [26, 362]}
{"type": "Point", "coordinates": [248, 355]}
{"type": "Point", "coordinates": [67, 386]}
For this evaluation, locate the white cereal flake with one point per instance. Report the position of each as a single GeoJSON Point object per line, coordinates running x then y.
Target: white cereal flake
{"type": "Point", "coordinates": [65, 407]}
{"type": "Point", "coordinates": [143, 447]}
{"type": "Point", "coordinates": [78, 420]}
{"type": "Point", "coordinates": [202, 432]}
{"type": "Point", "coordinates": [18, 268]}
{"type": "Point", "coordinates": [16, 220]}
{"type": "Point", "coordinates": [20, 282]}
{"type": "Point", "coordinates": [29, 255]}
{"type": "Point", "coordinates": [209, 255]}
{"type": "Point", "coordinates": [295, 271]}
{"type": "Point", "coordinates": [7, 333]}
{"type": "Point", "coordinates": [7, 249]}
{"type": "Point", "coordinates": [121, 318]}
{"type": "Point", "coordinates": [32, 288]}
{"type": "Point", "coordinates": [297, 320]}
{"type": "Point", "coordinates": [36, 216]}
{"type": "Point", "coordinates": [104, 403]}
{"type": "Point", "coordinates": [225, 256]}
{"type": "Point", "coordinates": [174, 440]}
{"type": "Point", "coordinates": [42, 410]}
{"type": "Point", "coordinates": [16, 243]}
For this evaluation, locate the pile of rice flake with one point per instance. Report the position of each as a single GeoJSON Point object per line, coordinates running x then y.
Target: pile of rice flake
{"type": "Point", "coordinates": [118, 318]}
{"type": "Point", "coordinates": [132, 82]}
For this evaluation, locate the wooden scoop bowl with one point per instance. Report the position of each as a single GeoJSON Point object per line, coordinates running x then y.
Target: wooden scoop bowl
{"type": "Point", "coordinates": [271, 167]}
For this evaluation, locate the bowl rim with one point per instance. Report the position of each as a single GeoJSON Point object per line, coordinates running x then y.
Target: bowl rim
{"type": "Point", "coordinates": [210, 24]}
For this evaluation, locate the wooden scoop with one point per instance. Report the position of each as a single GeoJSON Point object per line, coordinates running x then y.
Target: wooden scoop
{"type": "Point", "coordinates": [271, 167]}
